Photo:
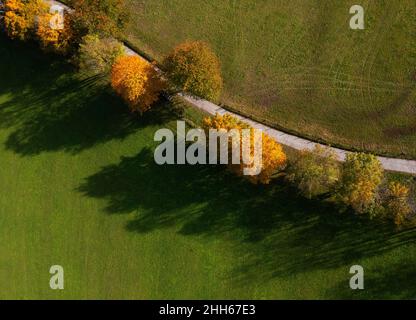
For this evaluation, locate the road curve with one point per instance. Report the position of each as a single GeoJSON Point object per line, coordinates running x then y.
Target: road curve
{"type": "Point", "coordinates": [297, 143]}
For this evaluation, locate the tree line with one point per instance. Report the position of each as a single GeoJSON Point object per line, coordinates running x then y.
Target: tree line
{"type": "Point", "coordinates": [89, 38]}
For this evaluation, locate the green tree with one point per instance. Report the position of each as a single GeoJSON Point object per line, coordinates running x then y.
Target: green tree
{"type": "Point", "coordinates": [315, 172]}
{"type": "Point", "coordinates": [194, 68]}
{"type": "Point", "coordinates": [97, 55]}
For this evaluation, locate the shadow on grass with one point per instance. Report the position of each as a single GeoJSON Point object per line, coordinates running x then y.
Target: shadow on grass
{"type": "Point", "coordinates": [51, 108]}
{"type": "Point", "coordinates": [277, 232]}
{"type": "Point", "coordinates": [394, 280]}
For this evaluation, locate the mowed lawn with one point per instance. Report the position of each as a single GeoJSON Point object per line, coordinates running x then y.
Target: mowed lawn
{"type": "Point", "coordinates": [297, 65]}
{"type": "Point", "coordinates": [79, 188]}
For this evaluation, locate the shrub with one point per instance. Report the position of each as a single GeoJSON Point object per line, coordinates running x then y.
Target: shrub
{"type": "Point", "coordinates": [397, 203]}
{"type": "Point", "coordinates": [137, 82]}
{"type": "Point", "coordinates": [20, 16]}
{"type": "Point", "coordinates": [194, 68]}
{"type": "Point", "coordinates": [273, 157]}
{"type": "Point", "coordinates": [315, 172]}
{"type": "Point", "coordinates": [96, 55]}
{"type": "Point", "coordinates": [362, 174]}
{"type": "Point", "coordinates": [102, 17]}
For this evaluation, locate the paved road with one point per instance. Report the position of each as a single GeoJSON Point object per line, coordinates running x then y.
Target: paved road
{"type": "Point", "coordinates": [391, 164]}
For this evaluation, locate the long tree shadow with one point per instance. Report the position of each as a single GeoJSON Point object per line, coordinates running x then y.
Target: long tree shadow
{"type": "Point", "coordinates": [50, 108]}
{"type": "Point", "coordinates": [393, 281]}
{"type": "Point", "coordinates": [277, 232]}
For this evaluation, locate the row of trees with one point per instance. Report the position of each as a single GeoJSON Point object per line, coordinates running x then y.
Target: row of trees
{"type": "Point", "coordinates": [32, 19]}
{"type": "Point", "coordinates": [89, 34]}
{"type": "Point", "coordinates": [359, 183]}
{"type": "Point", "coordinates": [191, 67]}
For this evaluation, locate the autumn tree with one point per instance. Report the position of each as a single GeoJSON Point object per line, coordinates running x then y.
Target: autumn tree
{"type": "Point", "coordinates": [54, 38]}
{"type": "Point", "coordinates": [103, 17]}
{"type": "Point", "coordinates": [97, 55]}
{"type": "Point", "coordinates": [362, 175]}
{"type": "Point", "coordinates": [20, 17]}
{"type": "Point", "coordinates": [194, 68]}
{"type": "Point", "coordinates": [315, 171]}
{"type": "Point", "coordinates": [137, 82]}
{"type": "Point", "coordinates": [273, 158]}
{"type": "Point", "coordinates": [397, 203]}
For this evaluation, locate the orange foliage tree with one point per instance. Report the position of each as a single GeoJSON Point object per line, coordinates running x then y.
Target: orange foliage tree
{"type": "Point", "coordinates": [273, 156]}
{"type": "Point", "coordinates": [274, 159]}
{"type": "Point", "coordinates": [137, 82]}
{"type": "Point", "coordinates": [56, 39]}
{"type": "Point", "coordinates": [20, 17]}
{"type": "Point", "coordinates": [194, 68]}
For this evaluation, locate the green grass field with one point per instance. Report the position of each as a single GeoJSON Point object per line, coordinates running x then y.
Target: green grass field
{"type": "Point", "coordinates": [79, 188]}
{"type": "Point", "coordinates": [297, 65]}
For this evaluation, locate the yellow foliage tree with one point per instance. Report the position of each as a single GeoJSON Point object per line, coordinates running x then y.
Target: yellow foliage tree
{"type": "Point", "coordinates": [20, 17]}
{"type": "Point", "coordinates": [273, 156]}
{"type": "Point", "coordinates": [274, 159]}
{"type": "Point", "coordinates": [397, 203]}
{"type": "Point", "coordinates": [137, 82]}
{"type": "Point", "coordinates": [362, 175]}
{"type": "Point", "coordinates": [46, 34]}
